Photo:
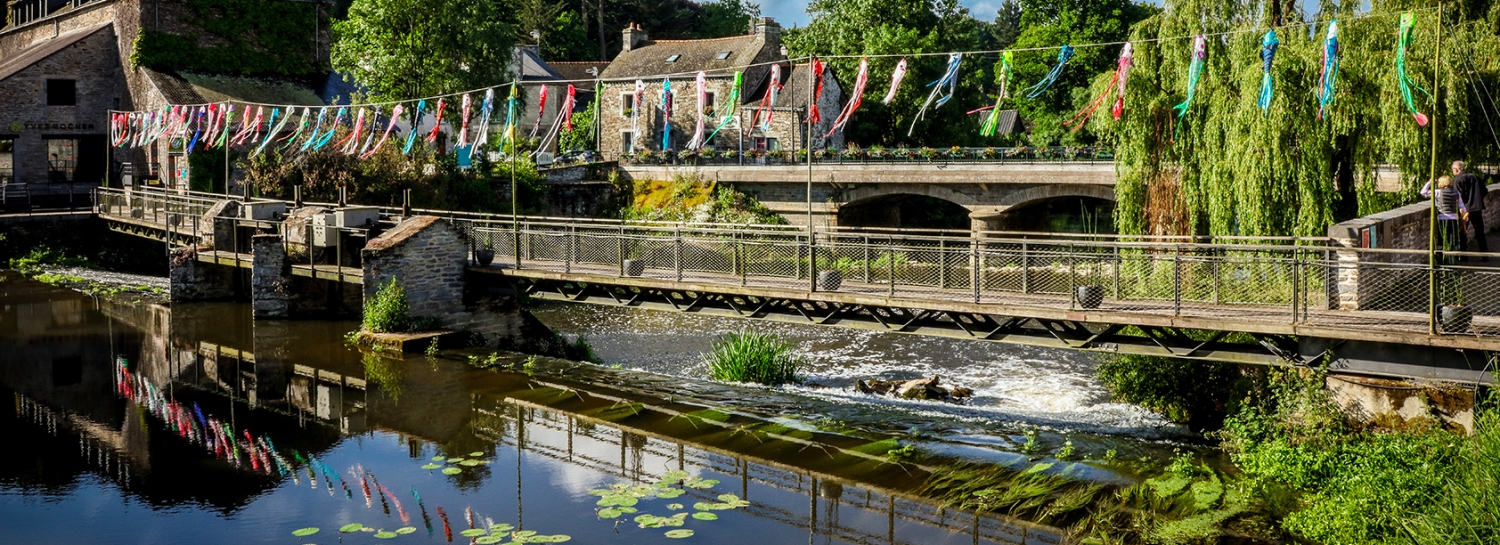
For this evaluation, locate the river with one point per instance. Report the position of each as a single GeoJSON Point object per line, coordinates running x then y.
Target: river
{"type": "Point", "coordinates": [123, 415]}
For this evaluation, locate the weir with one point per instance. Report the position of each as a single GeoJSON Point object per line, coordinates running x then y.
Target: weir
{"type": "Point", "coordinates": [1261, 301]}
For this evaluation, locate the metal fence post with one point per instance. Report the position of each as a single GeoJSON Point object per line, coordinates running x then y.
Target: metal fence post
{"type": "Point", "coordinates": [866, 251]}
{"type": "Point", "coordinates": [942, 263]}
{"type": "Point", "coordinates": [1177, 281]}
{"type": "Point", "coordinates": [1215, 268]}
{"type": "Point", "coordinates": [1118, 263]}
{"type": "Point", "coordinates": [890, 263]}
{"type": "Point", "coordinates": [677, 252]}
{"type": "Point", "coordinates": [620, 250]}
{"type": "Point", "coordinates": [739, 254]}
{"type": "Point", "coordinates": [1072, 277]}
{"type": "Point", "coordinates": [568, 248]}
{"type": "Point", "coordinates": [974, 265]}
{"type": "Point", "coordinates": [1296, 282]}
{"type": "Point", "coordinates": [1025, 267]}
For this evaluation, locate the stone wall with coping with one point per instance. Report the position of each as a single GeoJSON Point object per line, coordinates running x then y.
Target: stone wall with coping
{"type": "Point", "coordinates": [270, 296]}
{"type": "Point", "coordinates": [192, 280]}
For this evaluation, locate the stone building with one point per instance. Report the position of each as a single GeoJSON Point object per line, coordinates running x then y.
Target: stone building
{"type": "Point", "coordinates": [627, 127]}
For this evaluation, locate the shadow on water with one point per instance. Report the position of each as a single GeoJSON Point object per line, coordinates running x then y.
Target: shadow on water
{"type": "Point", "coordinates": [123, 415]}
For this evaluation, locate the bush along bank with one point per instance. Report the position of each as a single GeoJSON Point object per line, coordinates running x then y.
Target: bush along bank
{"type": "Point", "coordinates": [1311, 473]}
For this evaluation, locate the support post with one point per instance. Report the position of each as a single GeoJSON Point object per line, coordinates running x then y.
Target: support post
{"type": "Point", "coordinates": [1025, 267]}
{"type": "Point", "coordinates": [1432, 290]}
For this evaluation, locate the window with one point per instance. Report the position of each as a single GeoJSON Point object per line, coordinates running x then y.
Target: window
{"type": "Point", "coordinates": [673, 58]}
{"type": "Point", "coordinates": [7, 159]}
{"type": "Point", "coordinates": [62, 159]}
{"type": "Point", "coordinates": [708, 106]}
{"type": "Point", "coordinates": [627, 142]}
{"type": "Point", "coordinates": [722, 56]}
{"type": "Point", "coordinates": [627, 104]}
{"type": "Point", "coordinates": [62, 92]}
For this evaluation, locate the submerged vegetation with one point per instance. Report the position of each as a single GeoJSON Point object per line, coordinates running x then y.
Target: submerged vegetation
{"type": "Point", "coordinates": [750, 356]}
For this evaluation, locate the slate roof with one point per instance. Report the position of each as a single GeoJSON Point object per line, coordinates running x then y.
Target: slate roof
{"type": "Point", "coordinates": [649, 58]}
{"type": "Point", "coordinates": [533, 68]}
{"type": "Point", "coordinates": [795, 91]}
{"type": "Point", "coordinates": [35, 53]}
{"type": "Point", "coordinates": [578, 71]}
{"type": "Point", "coordinates": [189, 88]}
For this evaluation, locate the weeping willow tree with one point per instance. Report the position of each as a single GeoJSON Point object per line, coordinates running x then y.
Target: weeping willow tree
{"type": "Point", "coordinates": [1227, 167]}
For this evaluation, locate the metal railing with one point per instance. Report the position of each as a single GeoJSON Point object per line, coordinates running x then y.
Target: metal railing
{"type": "Point", "coordinates": [48, 198]}
{"type": "Point", "coordinates": [1283, 280]}
{"type": "Point", "coordinates": [1306, 283]}
{"type": "Point", "coordinates": [876, 155]}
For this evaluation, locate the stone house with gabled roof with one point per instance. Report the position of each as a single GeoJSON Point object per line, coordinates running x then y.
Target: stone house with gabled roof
{"type": "Point", "coordinates": [624, 130]}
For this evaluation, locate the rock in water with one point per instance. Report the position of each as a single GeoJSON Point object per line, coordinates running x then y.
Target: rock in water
{"type": "Point", "coordinates": [960, 392]}
{"type": "Point", "coordinates": [922, 388]}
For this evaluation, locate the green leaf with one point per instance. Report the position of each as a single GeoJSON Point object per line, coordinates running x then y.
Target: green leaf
{"type": "Point", "coordinates": [405, 530]}
{"type": "Point", "coordinates": [702, 515]}
{"type": "Point", "coordinates": [349, 528]}
{"type": "Point", "coordinates": [438, 458]}
{"type": "Point", "coordinates": [679, 534]}
{"type": "Point", "coordinates": [452, 471]}
{"type": "Point", "coordinates": [669, 493]}
{"type": "Point", "coordinates": [476, 454]}
{"type": "Point", "coordinates": [473, 532]}
{"type": "Point", "coordinates": [386, 535]}
{"type": "Point", "coordinates": [469, 463]}
{"type": "Point", "coordinates": [489, 540]}
{"type": "Point", "coordinates": [501, 528]}
{"type": "Point", "coordinates": [430, 467]}
{"type": "Point", "coordinates": [303, 532]}
{"type": "Point", "coordinates": [728, 498]}
{"type": "Point", "coordinates": [456, 460]}
{"type": "Point", "coordinates": [674, 506]}
{"type": "Point", "coordinates": [609, 513]}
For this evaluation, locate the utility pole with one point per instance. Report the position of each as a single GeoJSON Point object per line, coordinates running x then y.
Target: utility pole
{"type": "Point", "coordinates": [1432, 288]}
{"type": "Point", "coordinates": [812, 241]}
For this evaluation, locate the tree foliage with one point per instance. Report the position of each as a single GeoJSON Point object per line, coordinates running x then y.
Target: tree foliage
{"type": "Point", "coordinates": [403, 49]}
{"type": "Point", "coordinates": [1229, 168]}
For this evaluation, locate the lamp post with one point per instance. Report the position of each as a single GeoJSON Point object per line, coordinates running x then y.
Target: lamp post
{"type": "Point", "coordinates": [1432, 289]}
{"type": "Point", "coordinates": [812, 241]}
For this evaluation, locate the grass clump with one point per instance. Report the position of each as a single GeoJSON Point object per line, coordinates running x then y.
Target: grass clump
{"type": "Point", "coordinates": [750, 356]}
{"type": "Point", "coordinates": [388, 312]}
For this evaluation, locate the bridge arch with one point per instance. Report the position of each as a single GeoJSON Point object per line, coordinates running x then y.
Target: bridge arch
{"type": "Point", "coordinates": [1053, 207]}
{"type": "Point", "coordinates": [914, 207]}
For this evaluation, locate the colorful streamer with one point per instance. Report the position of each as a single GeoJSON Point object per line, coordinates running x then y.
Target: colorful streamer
{"type": "Point", "coordinates": [666, 114]}
{"type": "Point", "coordinates": [463, 121]}
{"type": "Point", "coordinates": [1002, 76]}
{"type": "Point", "coordinates": [541, 110]}
{"type": "Point", "coordinates": [317, 127]}
{"type": "Point", "coordinates": [511, 103]}
{"type": "Point", "coordinates": [727, 110]}
{"type": "Point", "coordinates": [485, 111]}
{"type": "Point", "coordinates": [856, 95]}
{"type": "Point", "coordinates": [1330, 75]}
{"type": "Point", "coordinates": [638, 104]}
{"type": "Point", "coordinates": [767, 106]}
{"type": "Point", "coordinates": [1063, 56]}
{"type": "Point", "coordinates": [813, 115]}
{"type": "Point", "coordinates": [1268, 46]}
{"type": "Point", "coordinates": [1403, 43]}
{"type": "Point", "coordinates": [1122, 71]}
{"type": "Point", "coordinates": [1122, 68]}
{"type": "Point", "coordinates": [1195, 73]}
{"type": "Point", "coordinates": [416, 121]}
{"type": "Point", "coordinates": [437, 124]}
{"type": "Point", "coordinates": [395, 117]}
{"type": "Point", "coordinates": [949, 80]}
{"type": "Point", "coordinates": [701, 86]}
{"type": "Point", "coordinates": [896, 76]}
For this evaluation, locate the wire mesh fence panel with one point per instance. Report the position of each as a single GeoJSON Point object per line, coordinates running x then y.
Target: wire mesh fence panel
{"type": "Point", "coordinates": [1003, 267]}
{"type": "Point", "coordinates": [598, 248]}
{"type": "Point", "coordinates": [709, 253]}
{"type": "Point", "coordinates": [773, 258]}
{"type": "Point", "coordinates": [1475, 292]}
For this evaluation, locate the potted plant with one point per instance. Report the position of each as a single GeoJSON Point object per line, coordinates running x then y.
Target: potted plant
{"type": "Point", "coordinates": [484, 256]}
{"type": "Point", "coordinates": [989, 152]}
{"type": "Point", "coordinates": [633, 265]}
{"type": "Point", "coordinates": [832, 277]}
{"type": "Point", "coordinates": [928, 153]}
{"type": "Point", "coordinates": [877, 152]}
{"type": "Point", "coordinates": [1089, 296]}
{"type": "Point", "coordinates": [957, 152]}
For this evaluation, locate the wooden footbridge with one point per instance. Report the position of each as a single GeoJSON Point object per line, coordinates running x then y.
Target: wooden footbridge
{"type": "Point", "coordinates": [1266, 301]}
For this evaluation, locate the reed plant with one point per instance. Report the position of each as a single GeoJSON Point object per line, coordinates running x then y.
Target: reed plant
{"type": "Point", "coordinates": [749, 356]}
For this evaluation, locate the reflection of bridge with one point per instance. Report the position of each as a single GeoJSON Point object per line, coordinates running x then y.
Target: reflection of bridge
{"type": "Point", "coordinates": [1271, 301]}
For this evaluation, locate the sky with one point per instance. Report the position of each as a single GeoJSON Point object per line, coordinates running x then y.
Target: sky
{"type": "Point", "coordinates": [794, 12]}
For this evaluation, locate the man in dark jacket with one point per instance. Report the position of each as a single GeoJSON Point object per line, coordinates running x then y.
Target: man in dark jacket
{"type": "Point", "coordinates": [1472, 190]}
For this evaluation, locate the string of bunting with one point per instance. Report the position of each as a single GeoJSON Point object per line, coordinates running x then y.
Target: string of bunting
{"type": "Point", "coordinates": [263, 127]}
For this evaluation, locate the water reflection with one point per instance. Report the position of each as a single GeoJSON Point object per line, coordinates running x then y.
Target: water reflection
{"type": "Point", "coordinates": [194, 422]}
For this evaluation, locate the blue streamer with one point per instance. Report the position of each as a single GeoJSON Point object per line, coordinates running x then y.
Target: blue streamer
{"type": "Point", "coordinates": [1063, 56]}
{"type": "Point", "coordinates": [416, 120]}
{"type": "Point", "coordinates": [1268, 47]}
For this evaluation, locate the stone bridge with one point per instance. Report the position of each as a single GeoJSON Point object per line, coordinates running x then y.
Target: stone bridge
{"type": "Point", "coordinates": [995, 196]}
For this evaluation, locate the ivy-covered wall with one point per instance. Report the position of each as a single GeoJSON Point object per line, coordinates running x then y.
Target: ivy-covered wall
{"type": "Point", "coordinates": [243, 37]}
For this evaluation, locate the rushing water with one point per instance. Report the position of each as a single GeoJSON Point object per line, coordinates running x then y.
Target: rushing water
{"type": "Point", "coordinates": [122, 413]}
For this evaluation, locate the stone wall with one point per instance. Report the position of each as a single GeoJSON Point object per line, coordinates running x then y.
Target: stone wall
{"type": "Point", "coordinates": [196, 281]}
{"type": "Point", "coordinates": [270, 296]}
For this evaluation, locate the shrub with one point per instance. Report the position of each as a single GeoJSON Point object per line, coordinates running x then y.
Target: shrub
{"type": "Point", "coordinates": [749, 356]}
{"type": "Point", "coordinates": [387, 311]}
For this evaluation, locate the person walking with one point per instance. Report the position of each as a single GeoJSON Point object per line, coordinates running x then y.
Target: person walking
{"type": "Point", "coordinates": [1450, 208]}
{"type": "Point", "coordinates": [1471, 190]}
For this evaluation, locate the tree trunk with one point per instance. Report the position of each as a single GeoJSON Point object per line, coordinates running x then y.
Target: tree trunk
{"type": "Point", "coordinates": [602, 53]}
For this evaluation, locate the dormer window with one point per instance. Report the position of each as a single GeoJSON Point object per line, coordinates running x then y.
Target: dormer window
{"type": "Point", "coordinates": [673, 58]}
{"type": "Point", "coordinates": [722, 56]}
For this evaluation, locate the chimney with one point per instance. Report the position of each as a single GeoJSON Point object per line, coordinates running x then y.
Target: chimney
{"type": "Point", "coordinates": [768, 31]}
{"type": "Point", "coordinates": [633, 36]}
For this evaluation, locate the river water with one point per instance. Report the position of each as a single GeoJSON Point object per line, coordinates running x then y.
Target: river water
{"type": "Point", "coordinates": [123, 413]}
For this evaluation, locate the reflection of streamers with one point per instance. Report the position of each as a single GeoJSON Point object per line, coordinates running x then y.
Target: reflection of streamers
{"type": "Point", "coordinates": [405, 518]}
{"type": "Point", "coordinates": [447, 530]}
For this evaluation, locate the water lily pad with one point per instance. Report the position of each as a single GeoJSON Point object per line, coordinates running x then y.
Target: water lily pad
{"type": "Point", "coordinates": [438, 458]}
{"type": "Point", "coordinates": [609, 513]}
{"type": "Point", "coordinates": [452, 471]}
{"type": "Point", "coordinates": [674, 476]}
{"type": "Point", "coordinates": [557, 538]}
{"type": "Point", "coordinates": [367, 529]}
{"type": "Point", "coordinates": [475, 454]}
{"type": "Point", "coordinates": [626, 510]}
{"type": "Point", "coordinates": [601, 492]}
{"type": "Point", "coordinates": [456, 460]}
{"type": "Point", "coordinates": [704, 515]}
{"type": "Point", "coordinates": [706, 506]}
{"type": "Point", "coordinates": [669, 493]}
{"type": "Point", "coordinates": [385, 535]}
{"type": "Point", "coordinates": [679, 534]}
{"type": "Point", "coordinates": [469, 463]}
{"type": "Point", "coordinates": [641, 491]}
{"type": "Point", "coordinates": [620, 500]}
{"type": "Point", "coordinates": [526, 533]}
{"type": "Point", "coordinates": [701, 484]}
{"type": "Point", "coordinates": [473, 532]}
{"type": "Point", "coordinates": [489, 540]}
{"type": "Point", "coordinates": [348, 528]}
{"type": "Point", "coordinates": [302, 532]}
{"type": "Point", "coordinates": [501, 528]}
{"type": "Point", "coordinates": [728, 498]}
{"type": "Point", "coordinates": [674, 506]}
{"type": "Point", "coordinates": [405, 530]}
{"type": "Point", "coordinates": [430, 467]}
{"type": "Point", "coordinates": [646, 519]}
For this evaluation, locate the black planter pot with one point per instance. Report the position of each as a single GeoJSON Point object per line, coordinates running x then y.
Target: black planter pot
{"type": "Point", "coordinates": [634, 267]}
{"type": "Point", "coordinates": [1455, 318]}
{"type": "Point", "coordinates": [1090, 296]}
{"type": "Point", "coordinates": [830, 280]}
{"type": "Point", "coordinates": [484, 257]}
